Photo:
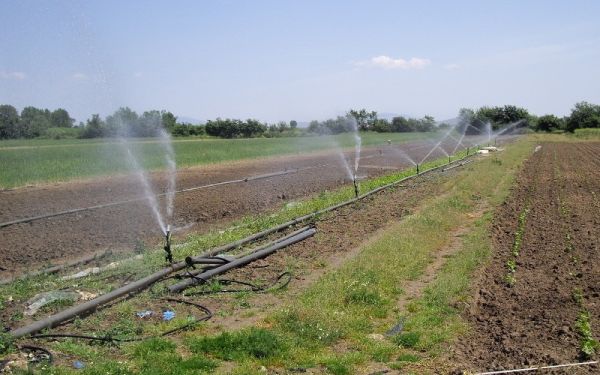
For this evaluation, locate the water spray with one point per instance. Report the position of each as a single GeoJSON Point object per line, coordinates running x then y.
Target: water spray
{"type": "Point", "coordinates": [169, 256]}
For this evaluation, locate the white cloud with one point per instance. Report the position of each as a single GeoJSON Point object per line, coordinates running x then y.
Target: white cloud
{"type": "Point", "coordinates": [138, 75]}
{"type": "Point", "coordinates": [451, 66]}
{"type": "Point", "coordinates": [18, 76]}
{"type": "Point", "coordinates": [387, 62]}
{"type": "Point", "coordinates": [79, 76]}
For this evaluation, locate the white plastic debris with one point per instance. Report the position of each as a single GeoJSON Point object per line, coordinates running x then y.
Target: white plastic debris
{"type": "Point", "coordinates": [483, 152]}
{"type": "Point", "coordinates": [490, 148]}
{"type": "Point", "coordinates": [537, 148]}
{"type": "Point", "coordinates": [42, 299]}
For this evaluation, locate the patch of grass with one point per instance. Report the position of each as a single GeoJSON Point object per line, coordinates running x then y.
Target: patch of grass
{"type": "Point", "coordinates": [407, 357]}
{"type": "Point", "coordinates": [38, 161]}
{"type": "Point", "coordinates": [587, 133]}
{"type": "Point", "coordinates": [520, 232]}
{"type": "Point", "coordinates": [589, 345]}
{"type": "Point", "coordinates": [147, 349]}
{"type": "Point", "coordinates": [254, 342]}
{"type": "Point", "coordinates": [407, 339]}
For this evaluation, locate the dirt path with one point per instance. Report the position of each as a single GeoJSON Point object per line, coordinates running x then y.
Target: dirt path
{"type": "Point", "coordinates": [532, 322]}
{"type": "Point", "coordinates": [62, 238]}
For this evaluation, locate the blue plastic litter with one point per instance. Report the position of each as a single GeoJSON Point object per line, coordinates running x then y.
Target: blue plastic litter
{"type": "Point", "coordinates": [78, 365]}
{"type": "Point", "coordinates": [168, 315]}
{"type": "Point", "coordinates": [144, 314]}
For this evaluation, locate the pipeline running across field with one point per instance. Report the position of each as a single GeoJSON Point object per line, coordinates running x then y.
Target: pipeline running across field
{"type": "Point", "coordinates": [144, 283]}
{"type": "Point", "coordinates": [141, 199]}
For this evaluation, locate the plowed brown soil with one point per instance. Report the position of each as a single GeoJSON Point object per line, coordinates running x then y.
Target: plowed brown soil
{"type": "Point", "coordinates": [532, 322]}
{"type": "Point", "coordinates": [54, 240]}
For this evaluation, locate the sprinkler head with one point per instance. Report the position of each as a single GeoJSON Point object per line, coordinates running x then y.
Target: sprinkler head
{"type": "Point", "coordinates": [169, 255]}
{"type": "Point", "coordinates": [449, 159]}
{"type": "Point", "coordinates": [355, 187]}
{"type": "Point", "coordinates": [417, 168]}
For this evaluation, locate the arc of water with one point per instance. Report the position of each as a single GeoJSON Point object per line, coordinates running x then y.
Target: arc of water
{"type": "Point", "coordinates": [459, 143]}
{"type": "Point", "coordinates": [165, 143]}
{"type": "Point", "coordinates": [147, 189]}
{"type": "Point", "coordinates": [438, 144]}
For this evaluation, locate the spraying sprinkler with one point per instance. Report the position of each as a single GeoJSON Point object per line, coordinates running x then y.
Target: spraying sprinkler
{"type": "Point", "coordinates": [355, 187]}
{"type": "Point", "coordinates": [417, 168]}
{"type": "Point", "coordinates": [449, 159]}
{"type": "Point", "coordinates": [169, 256]}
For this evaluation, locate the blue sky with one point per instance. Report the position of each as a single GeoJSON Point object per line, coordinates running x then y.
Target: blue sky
{"type": "Point", "coordinates": [303, 60]}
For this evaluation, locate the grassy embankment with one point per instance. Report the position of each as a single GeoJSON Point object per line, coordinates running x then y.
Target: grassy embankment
{"type": "Point", "coordinates": [39, 161]}
{"type": "Point", "coordinates": [330, 324]}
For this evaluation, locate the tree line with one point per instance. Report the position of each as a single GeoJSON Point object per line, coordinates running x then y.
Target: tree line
{"type": "Point", "coordinates": [33, 122]}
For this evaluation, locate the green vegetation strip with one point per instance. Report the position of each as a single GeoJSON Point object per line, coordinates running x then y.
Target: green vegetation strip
{"type": "Point", "coordinates": [331, 324]}
{"type": "Point", "coordinates": [42, 161]}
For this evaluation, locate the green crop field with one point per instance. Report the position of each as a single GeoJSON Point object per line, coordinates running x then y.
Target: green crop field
{"type": "Point", "coordinates": [25, 162]}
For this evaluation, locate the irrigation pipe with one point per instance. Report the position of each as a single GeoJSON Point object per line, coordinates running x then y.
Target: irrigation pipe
{"type": "Point", "coordinates": [132, 288]}
{"type": "Point", "coordinates": [457, 165]}
{"type": "Point", "coordinates": [537, 368]}
{"type": "Point", "coordinates": [145, 282]}
{"type": "Point", "coordinates": [197, 276]}
{"type": "Point", "coordinates": [128, 201]}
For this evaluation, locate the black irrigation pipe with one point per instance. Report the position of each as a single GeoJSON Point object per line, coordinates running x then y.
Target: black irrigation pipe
{"type": "Point", "coordinates": [134, 200]}
{"type": "Point", "coordinates": [200, 277]}
{"type": "Point", "coordinates": [129, 289]}
{"type": "Point", "coordinates": [145, 282]}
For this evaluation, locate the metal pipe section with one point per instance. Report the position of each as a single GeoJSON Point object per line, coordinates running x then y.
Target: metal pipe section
{"type": "Point", "coordinates": [204, 276]}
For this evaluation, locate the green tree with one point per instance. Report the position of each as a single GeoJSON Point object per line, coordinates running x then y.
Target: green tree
{"type": "Point", "coordinates": [94, 128]}
{"type": "Point", "coordinates": [60, 119]}
{"type": "Point", "coordinates": [401, 124]}
{"type": "Point", "coordinates": [382, 126]}
{"type": "Point", "coordinates": [293, 124]}
{"type": "Point", "coordinates": [124, 122]}
{"type": "Point", "coordinates": [9, 122]}
{"type": "Point", "coordinates": [584, 115]}
{"type": "Point", "coordinates": [34, 122]}
{"type": "Point", "coordinates": [547, 123]}
{"type": "Point", "coordinates": [168, 120]}
{"type": "Point", "coordinates": [364, 119]}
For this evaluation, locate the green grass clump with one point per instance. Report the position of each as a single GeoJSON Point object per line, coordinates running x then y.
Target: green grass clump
{"type": "Point", "coordinates": [39, 161]}
{"type": "Point", "coordinates": [587, 133]}
{"type": "Point", "coordinates": [407, 339]}
{"type": "Point", "coordinates": [589, 345]}
{"type": "Point", "coordinates": [253, 342]}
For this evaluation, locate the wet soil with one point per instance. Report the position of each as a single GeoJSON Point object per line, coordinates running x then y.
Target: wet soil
{"type": "Point", "coordinates": [532, 322]}
{"type": "Point", "coordinates": [37, 244]}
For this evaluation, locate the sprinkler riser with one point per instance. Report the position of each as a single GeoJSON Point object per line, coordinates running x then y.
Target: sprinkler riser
{"type": "Point", "coordinates": [167, 248]}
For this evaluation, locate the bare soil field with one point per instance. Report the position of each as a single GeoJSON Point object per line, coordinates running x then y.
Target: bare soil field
{"type": "Point", "coordinates": [531, 321]}
{"type": "Point", "coordinates": [35, 244]}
